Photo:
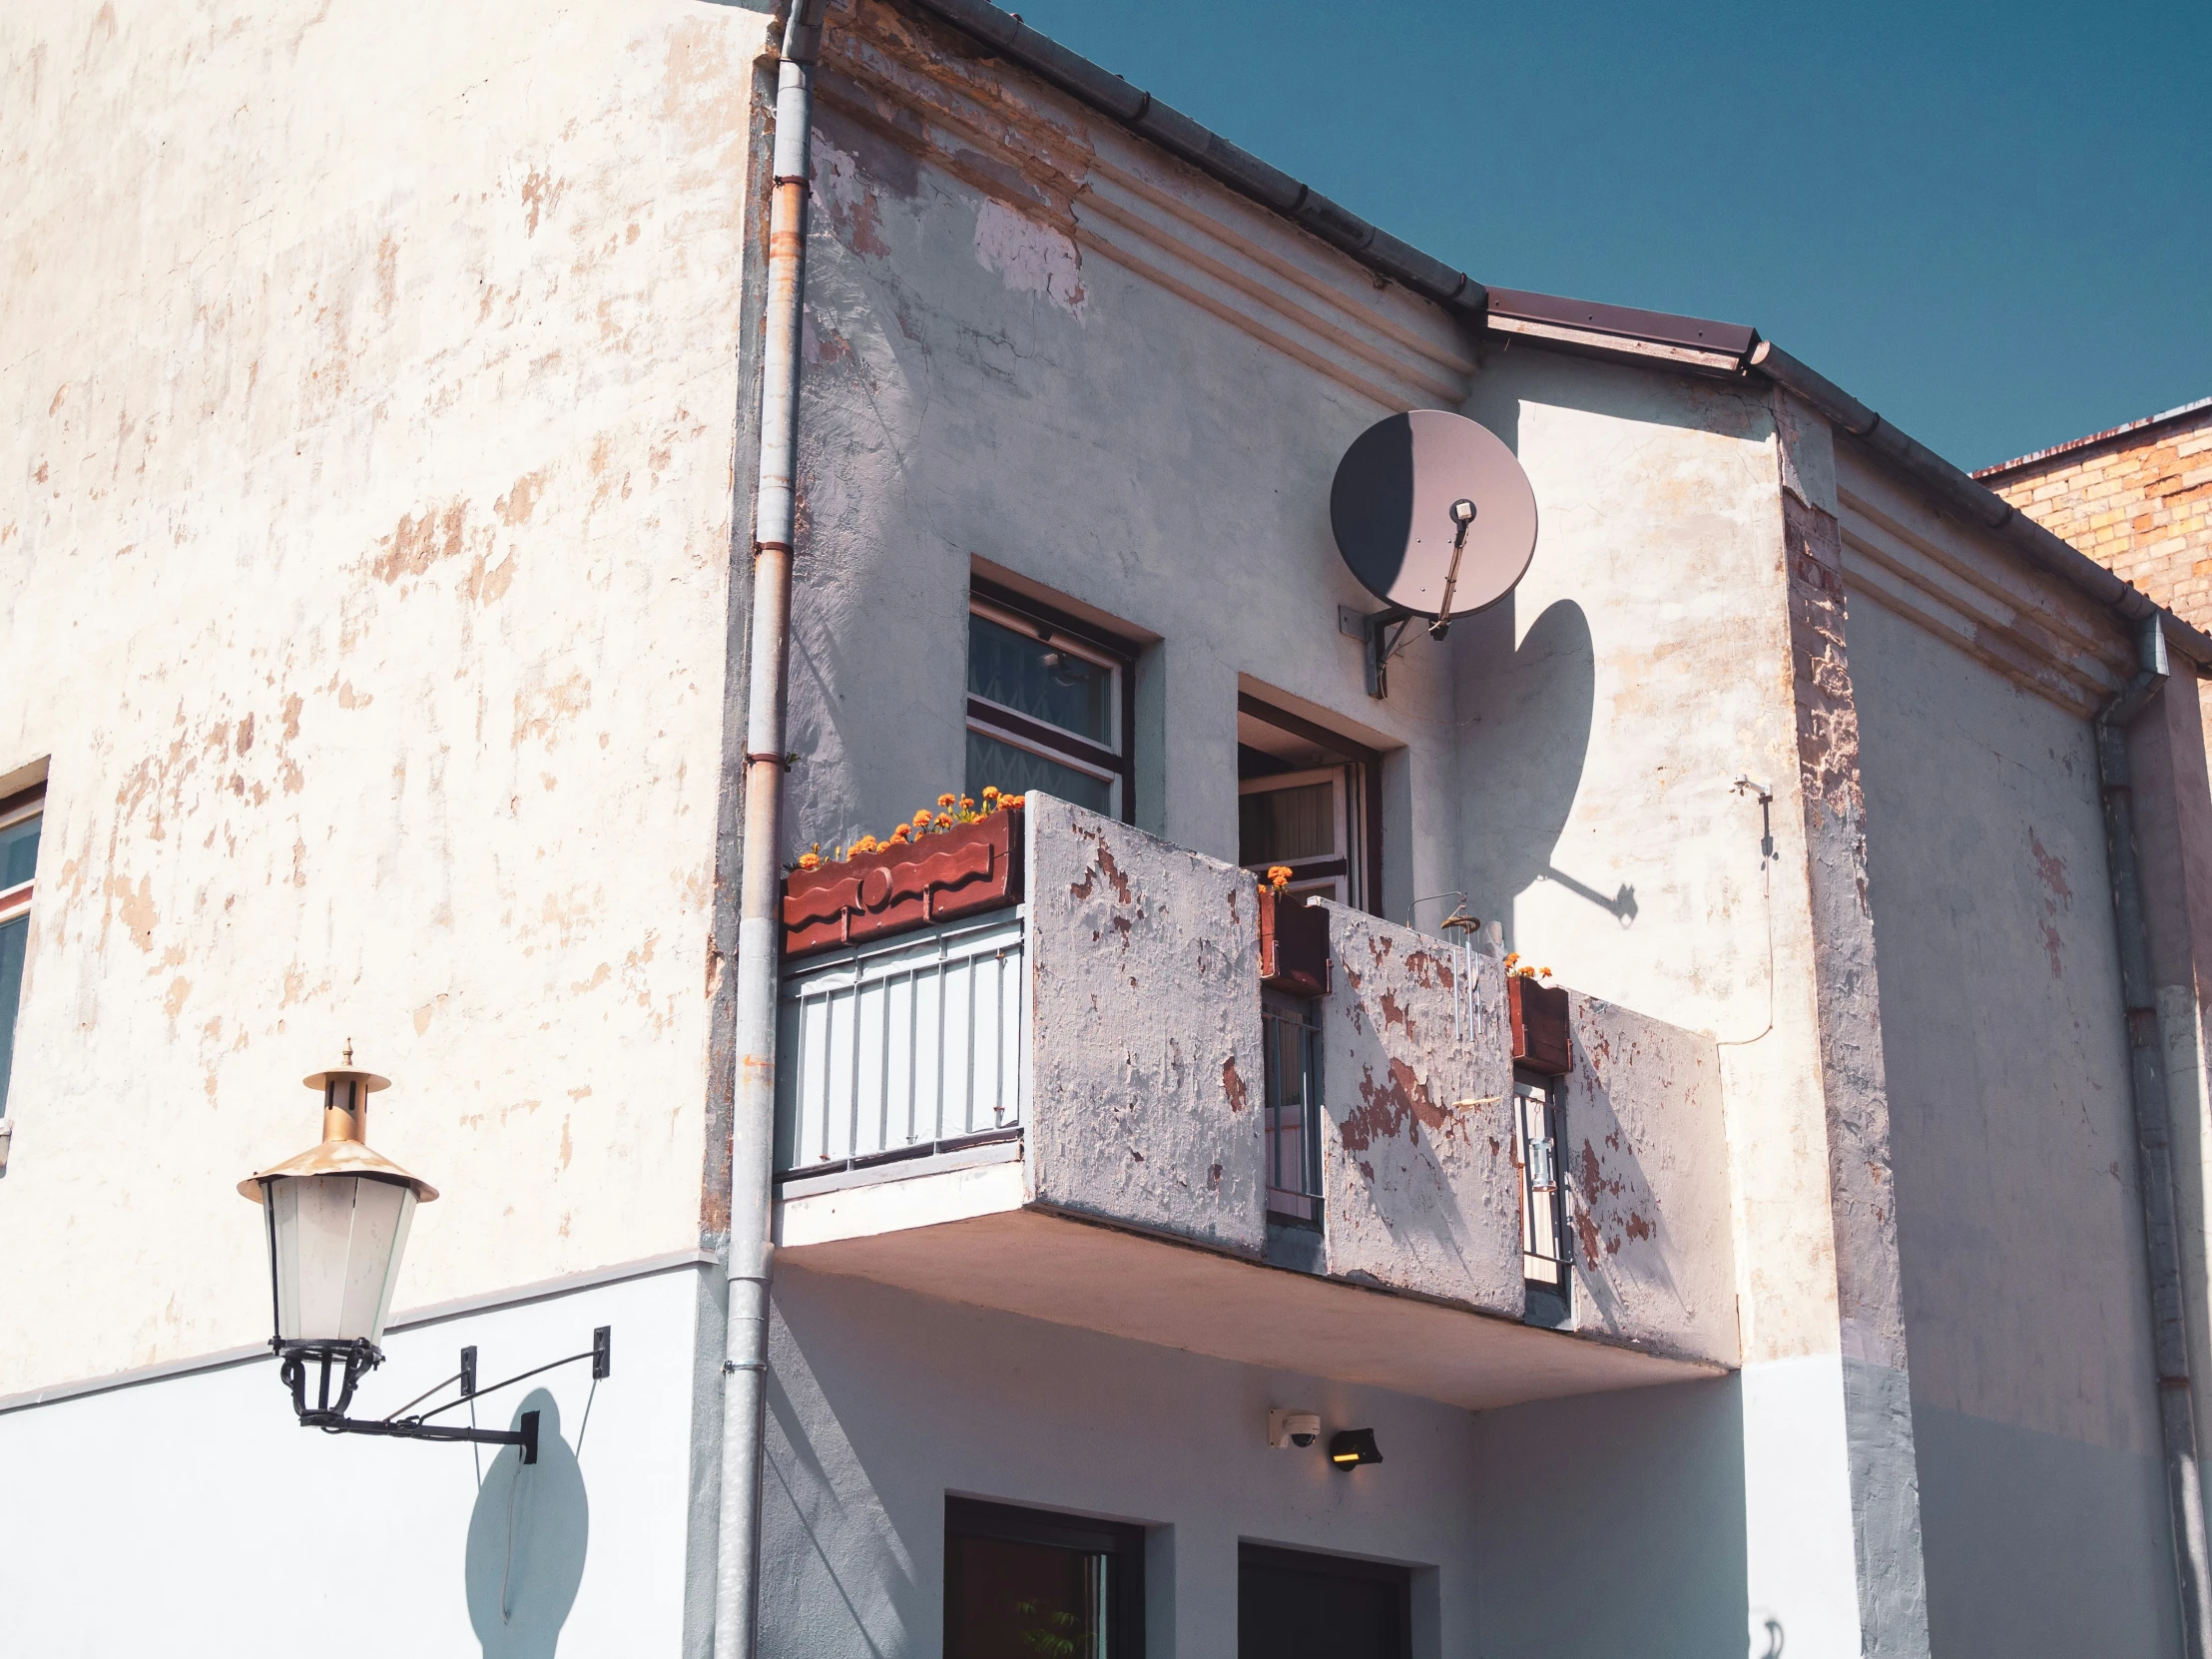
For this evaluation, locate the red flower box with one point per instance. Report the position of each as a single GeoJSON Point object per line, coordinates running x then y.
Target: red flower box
{"type": "Point", "coordinates": [1293, 944]}
{"type": "Point", "coordinates": [954, 872]}
{"type": "Point", "coordinates": [1539, 1026]}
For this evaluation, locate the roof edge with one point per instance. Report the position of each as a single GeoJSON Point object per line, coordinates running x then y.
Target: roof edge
{"type": "Point", "coordinates": [2180, 411]}
{"type": "Point", "coordinates": [1211, 153]}
{"type": "Point", "coordinates": [1952, 489]}
{"type": "Point", "coordinates": [1682, 344]}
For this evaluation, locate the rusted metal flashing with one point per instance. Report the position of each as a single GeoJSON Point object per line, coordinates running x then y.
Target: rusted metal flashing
{"type": "Point", "coordinates": [1582, 326]}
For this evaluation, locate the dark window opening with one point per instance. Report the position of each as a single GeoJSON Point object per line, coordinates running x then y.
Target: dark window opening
{"type": "Point", "coordinates": [1033, 1584]}
{"type": "Point", "coordinates": [1295, 1605]}
{"type": "Point", "coordinates": [1290, 1050]}
{"type": "Point", "coordinates": [1306, 798]}
{"type": "Point", "coordinates": [1547, 1255]}
{"type": "Point", "coordinates": [1050, 704]}
{"type": "Point", "coordinates": [20, 817]}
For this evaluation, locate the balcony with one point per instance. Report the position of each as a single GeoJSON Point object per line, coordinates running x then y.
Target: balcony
{"type": "Point", "coordinates": [1085, 1108]}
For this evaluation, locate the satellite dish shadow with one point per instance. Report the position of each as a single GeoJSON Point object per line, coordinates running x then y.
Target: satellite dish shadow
{"type": "Point", "coordinates": [1525, 751]}
{"type": "Point", "coordinates": [526, 1542]}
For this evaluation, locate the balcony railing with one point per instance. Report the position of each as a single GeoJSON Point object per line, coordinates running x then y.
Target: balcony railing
{"type": "Point", "coordinates": [904, 1047]}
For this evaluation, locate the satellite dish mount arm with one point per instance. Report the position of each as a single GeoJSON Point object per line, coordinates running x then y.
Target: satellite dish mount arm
{"type": "Point", "coordinates": [1381, 635]}
{"type": "Point", "coordinates": [1463, 515]}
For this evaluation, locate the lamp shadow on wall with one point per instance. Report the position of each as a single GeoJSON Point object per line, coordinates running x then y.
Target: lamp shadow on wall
{"type": "Point", "coordinates": [1532, 703]}
{"type": "Point", "coordinates": [526, 1541]}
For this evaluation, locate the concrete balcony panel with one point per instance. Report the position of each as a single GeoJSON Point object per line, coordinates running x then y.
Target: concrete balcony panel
{"type": "Point", "coordinates": [1145, 1086]}
{"type": "Point", "coordinates": [1648, 1185]}
{"type": "Point", "coordinates": [1420, 1191]}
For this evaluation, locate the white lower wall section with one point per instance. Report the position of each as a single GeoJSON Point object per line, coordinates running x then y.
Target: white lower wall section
{"type": "Point", "coordinates": [882, 1402]}
{"type": "Point", "coordinates": [192, 1514]}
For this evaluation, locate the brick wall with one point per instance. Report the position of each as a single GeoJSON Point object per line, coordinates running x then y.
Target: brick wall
{"type": "Point", "coordinates": [2137, 500]}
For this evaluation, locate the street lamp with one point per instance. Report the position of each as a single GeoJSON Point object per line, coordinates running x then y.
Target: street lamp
{"type": "Point", "coordinates": [337, 1218]}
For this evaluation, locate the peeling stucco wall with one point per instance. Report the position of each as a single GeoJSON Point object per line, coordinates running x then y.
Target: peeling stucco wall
{"type": "Point", "coordinates": [370, 380]}
{"type": "Point", "coordinates": [1145, 1103]}
{"type": "Point", "coordinates": [1032, 344]}
{"type": "Point", "coordinates": [1648, 1188]}
{"type": "Point", "coordinates": [1420, 1191]}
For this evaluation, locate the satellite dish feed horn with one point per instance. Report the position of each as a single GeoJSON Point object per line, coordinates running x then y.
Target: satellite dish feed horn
{"type": "Point", "coordinates": [1434, 517]}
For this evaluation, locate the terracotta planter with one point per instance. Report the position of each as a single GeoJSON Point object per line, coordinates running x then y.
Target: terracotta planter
{"type": "Point", "coordinates": [955, 872]}
{"type": "Point", "coordinates": [1293, 944]}
{"type": "Point", "coordinates": [1539, 1026]}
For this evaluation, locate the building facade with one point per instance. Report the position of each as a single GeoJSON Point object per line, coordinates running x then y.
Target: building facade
{"type": "Point", "coordinates": [377, 595]}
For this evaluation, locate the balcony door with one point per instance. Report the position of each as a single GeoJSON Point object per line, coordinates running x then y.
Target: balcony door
{"type": "Point", "coordinates": [1295, 1605]}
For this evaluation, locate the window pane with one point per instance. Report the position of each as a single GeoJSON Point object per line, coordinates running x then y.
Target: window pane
{"type": "Point", "coordinates": [1014, 771]}
{"type": "Point", "coordinates": [14, 935]}
{"type": "Point", "coordinates": [1005, 1600]}
{"type": "Point", "coordinates": [1042, 680]}
{"type": "Point", "coordinates": [1281, 824]}
{"type": "Point", "coordinates": [18, 853]}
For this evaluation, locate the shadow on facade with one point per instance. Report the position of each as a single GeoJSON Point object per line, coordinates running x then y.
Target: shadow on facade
{"type": "Point", "coordinates": [526, 1542]}
{"type": "Point", "coordinates": [1526, 713]}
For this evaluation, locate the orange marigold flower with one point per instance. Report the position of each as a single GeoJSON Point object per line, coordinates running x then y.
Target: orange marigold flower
{"type": "Point", "coordinates": [1010, 802]}
{"type": "Point", "coordinates": [923, 818]}
{"type": "Point", "coordinates": [900, 832]}
{"type": "Point", "coordinates": [1278, 876]}
{"type": "Point", "coordinates": [1543, 973]}
{"type": "Point", "coordinates": [945, 799]}
{"type": "Point", "coordinates": [944, 821]}
{"type": "Point", "coordinates": [990, 792]}
{"type": "Point", "coordinates": [810, 860]}
{"type": "Point", "coordinates": [967, 803]}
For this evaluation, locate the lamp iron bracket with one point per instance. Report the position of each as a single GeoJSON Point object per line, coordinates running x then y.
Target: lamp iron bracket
{"type": "Point", "coordinates": [339, 1367]}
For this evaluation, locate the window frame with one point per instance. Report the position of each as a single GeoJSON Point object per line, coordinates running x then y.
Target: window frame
{"type": "Point", "coordinates": [1329, 873]}
{"type": "Point", "coordinates": [1364, 776]}
{"type": "Point", "coordinates": [1122, 1543]}
{"type": "Point", "coordinates": [1114, 764]}
{"type": "Point", "coordinates": [15, 909]}
{"type": "Point", "coordinates": [24, 804]}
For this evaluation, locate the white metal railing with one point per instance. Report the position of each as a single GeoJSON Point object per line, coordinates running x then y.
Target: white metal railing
{"type": "Point", "coordinates": [899, 1046]}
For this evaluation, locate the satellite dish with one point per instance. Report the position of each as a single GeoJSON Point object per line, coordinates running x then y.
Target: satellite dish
{"type": "Point", "coordinates": [1433, 515]}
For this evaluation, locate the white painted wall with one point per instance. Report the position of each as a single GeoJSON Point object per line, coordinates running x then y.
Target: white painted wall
{"type": "Point", "coordinates": [192, 1515]}
{"type": "Point", "coordinates": [369, 389]}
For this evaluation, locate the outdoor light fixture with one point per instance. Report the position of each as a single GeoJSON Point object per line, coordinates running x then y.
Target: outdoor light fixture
{"type": "Point", "coordinates": [1349, 1447]}
{"type": "Point", "coordinates": [337, 1218]}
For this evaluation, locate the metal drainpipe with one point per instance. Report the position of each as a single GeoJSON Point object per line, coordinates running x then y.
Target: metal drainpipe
{"type": "Point", "coordinates": [2153, 1146]}
{"type": "Point", "coordinates": [753, 1126]}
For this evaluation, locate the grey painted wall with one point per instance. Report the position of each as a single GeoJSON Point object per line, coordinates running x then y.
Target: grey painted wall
{"type": "Point", "coordinates": [2018, 1213]}
{"type": "Point", "coordinates": [882, 1403]}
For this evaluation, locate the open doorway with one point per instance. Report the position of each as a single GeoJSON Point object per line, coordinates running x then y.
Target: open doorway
{"type": "Point", "coordinates": [1308, 798]}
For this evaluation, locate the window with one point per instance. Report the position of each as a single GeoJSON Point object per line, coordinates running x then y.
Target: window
{"type": "Point", "coordinates": [1546, 1258]}
{"type": "Point", "coordinates": [1050, 702]}
{"type": "Point", "coordinates": [1019, 1583]}
{"type": "Point", "coordinates": [1290, 1056]}
{"type": "Point", "coordinates": [1296, 1605]}
{"type": "Point", "coordinates": [1305, 798]}
{"type": "Point", "coordinates": [19, 825]}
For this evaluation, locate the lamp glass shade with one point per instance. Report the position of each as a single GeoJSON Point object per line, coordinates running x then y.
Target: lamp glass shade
{"type": "Point", "coordinates": [334, 1245]}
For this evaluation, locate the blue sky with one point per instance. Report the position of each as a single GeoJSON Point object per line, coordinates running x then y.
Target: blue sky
{"type": "Point", "coordinates": [1991, 224]}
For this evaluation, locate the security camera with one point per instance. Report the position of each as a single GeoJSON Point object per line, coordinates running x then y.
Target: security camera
{"type": "Point", "coordinates": [1287, 1429]}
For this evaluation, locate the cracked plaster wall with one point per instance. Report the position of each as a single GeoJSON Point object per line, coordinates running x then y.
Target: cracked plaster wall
{"type": "Point", "coordinates": [369, 379]}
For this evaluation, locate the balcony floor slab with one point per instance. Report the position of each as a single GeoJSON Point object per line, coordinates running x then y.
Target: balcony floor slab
{"type": "Point", "coordinates": [968, 1236]}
